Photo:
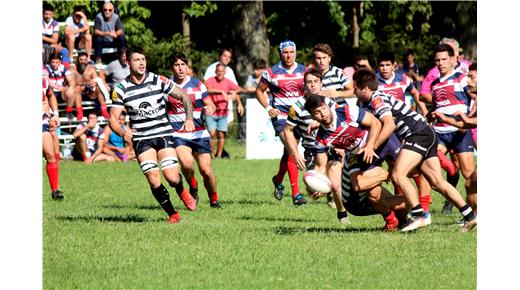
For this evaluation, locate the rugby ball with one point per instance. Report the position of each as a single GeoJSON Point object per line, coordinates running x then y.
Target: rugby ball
{"type": "Point", "coordinates": [317, 181]}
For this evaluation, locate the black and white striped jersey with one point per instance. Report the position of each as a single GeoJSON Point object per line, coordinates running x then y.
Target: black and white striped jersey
{"type": "Point", "coordinates": [335, 79]}
{"type": "Point", "coordinates": [407, 121]}
{"type": "Point", "coordinates": [301, 118]}
{"type": "Point", "coordinates": [146, 105]}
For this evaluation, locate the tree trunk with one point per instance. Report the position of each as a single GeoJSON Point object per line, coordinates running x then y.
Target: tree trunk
{"type": "Point", "coordinates": [186, 31]}
{"type": "Point", "coordinates": [251, 37]}
{"type": "Point", "coordinates": [355, 27]}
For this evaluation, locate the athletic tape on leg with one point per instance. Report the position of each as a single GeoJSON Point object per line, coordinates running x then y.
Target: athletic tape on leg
{"type": "Point", "coordinates": [148, 165]}
{"type": "Point", "coordinates": [169, 162]}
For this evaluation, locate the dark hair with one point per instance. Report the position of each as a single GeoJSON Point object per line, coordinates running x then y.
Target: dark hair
{"type": "Point", "coordinates": [131, 51]}
{"type": "Point", "coordinates": [222, 50]}
{"type": "Point", "coordinates": [47, 7]}
{"type": "Point", "coordinates": [314, 72]}
{"type": "Point", "coordinates": [324, 48]}
{"type": "Point", "coordinates": [259, 64]}
{"type": "Point", "coordinates": [81, 53]}
{"type": "Point", "coordinates": [473, 66]}
{"type": "Point", "coordinates": [443, 47]}
{"type": "Point", "coordinates": [409, 51]}
{"type": "Point", "coordinates": [313, 101]}
{"type": "Point", "coordinates": [54, 55]}
{"type": "Point", "coordinates": [358, 58]}
{"type": "Point", "coordinates": [365, 78]}
{"type": "Point", "coordinates": [385, 56]}
{"type": "Point", "coordinates": [176, 56]}
{"type": "Point", "coordinates": [79, 8]}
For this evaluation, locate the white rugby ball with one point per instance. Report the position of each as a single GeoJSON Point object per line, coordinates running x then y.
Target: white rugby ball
{"type": "Point", "coordinates": [317, 181]}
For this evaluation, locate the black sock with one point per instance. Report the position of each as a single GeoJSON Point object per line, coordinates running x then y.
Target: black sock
{"type": "Point", "coordinates": [453, 179]}
{"type": "Point", "coordinates": [161, 195]}
{"type": "Point", "coordinates": [467, 212]}
{"type": "Point", "coordinates": [179, 187]}
{"type": "Point", "coordinates": [418, 211]}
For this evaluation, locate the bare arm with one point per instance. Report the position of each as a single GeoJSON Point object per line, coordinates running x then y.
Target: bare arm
{"type": "Point", "coordinates": [262, 99]}
{"type": "Point", "coordinates": [417, 100]}
{"type": "Point", "coordinates": [386, 130]}
{"type": "Point", "coordinates": [374, 128]}
{"type": "Point", "coordinates": [179, 94]}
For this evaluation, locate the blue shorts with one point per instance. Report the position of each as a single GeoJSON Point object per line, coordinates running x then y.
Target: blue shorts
{"type": "Point", "coordinates": [217, 123]}
{"type": "Point", "coordinates": [157, 143]}
{"type": "Point", "coordinates": [279, 125]}
{"type": "Point", "coordinates": [45, 128]}
{"type": "Point", "coordinates": [200, 145]}
{"type": "Point", "coordinates": [459, 141]}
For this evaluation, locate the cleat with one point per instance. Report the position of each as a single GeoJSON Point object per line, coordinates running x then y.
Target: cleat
{"type": "Point", "coordinates": [188, 200]}
{"type": "Point", "coordinates": [460, 222]}
{"type": "Point", "coordinates": [447, 208]}
{"type": "Point", "coordinates": [427, 218]}
{"type": "Point", "coordinates": [57, 195]}
{"type": "Point", "coordinates": [215, 204]}
{"type": "Point", "coordinates": [195, 194]}
{"type": "Point", "coordinates": [174, 218]}
{"type": "Point", "coordinates": [278, 189]}
{"type": "Point", "coordinates": [299, 199]}
{"type": "Point", "coordinates": [330, 201]}
{"type": "Point", "coordinates": [391, 226]}
{"type": "Point", "coordinates": [344, 220]}
{"type": "Point", "coordinates": [414, 223]}
{"type": "Point", "coordinates": [469, 225]}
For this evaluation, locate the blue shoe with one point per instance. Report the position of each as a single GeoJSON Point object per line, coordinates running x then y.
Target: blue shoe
{"type": "Point", "coordinates": [299, 199]}
{"type": "Point", "coordinates": [278, 189]}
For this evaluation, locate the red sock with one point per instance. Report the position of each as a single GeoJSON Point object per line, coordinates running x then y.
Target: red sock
{"type": "Point", "coordinates": [104, 111]}
{"type": "Point", "coordinates": [390, 217]}
{"type": "Point", "coordinates": [68, 109]}
{"type": "Point", "coordinates": [52, 174]}
{"type": "Point", "coordinates": [85, 158]}
{"type": "Point", "coordinates": [79, 113]}
{"type": "Point", "coordinates": [193, 182]}
{"type": "Point", "coordinates": [58, 156]}
{"type": "Point", "coordinates": [424, 200]}
{"type": "Point", "coordinates": [281, 171]}
{"type": "Point", "coordinates": [293, 175]}
{"type": "Point", "coordinates": [446, 164]}
{"type": "Point", "coordinates": [213, 197]}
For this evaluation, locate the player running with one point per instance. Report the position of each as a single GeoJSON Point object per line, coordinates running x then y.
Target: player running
{"type": "Point", "coordinates": [143, 94]}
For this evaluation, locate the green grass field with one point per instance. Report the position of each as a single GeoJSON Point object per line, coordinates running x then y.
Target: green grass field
{"type": "Point", "coordinates": [109, 233]}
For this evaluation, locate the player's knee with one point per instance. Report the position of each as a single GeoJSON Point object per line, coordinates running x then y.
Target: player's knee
{"type": "Point", "coordinates": [149, 167]}
{"type": "Point", "coordinates": [169, 163]}
{"type": "Point", "coordinates": [206, 171]}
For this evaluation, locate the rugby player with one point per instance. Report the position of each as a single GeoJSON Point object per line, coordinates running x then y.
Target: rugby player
{"type": "Point", "coordinates": [143, 94]}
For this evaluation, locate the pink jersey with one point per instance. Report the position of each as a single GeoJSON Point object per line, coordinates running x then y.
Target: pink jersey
{"type": "Point", "coordinates": [396, 86]}
{"type": "Point", "coordinates": [462, 67]}
{"type": "Point", "coordinates": [450, 94]}
{"type": "Point", "coordinates": [57, 77]}
{"type": "Point", "coordinates": [218, 99]}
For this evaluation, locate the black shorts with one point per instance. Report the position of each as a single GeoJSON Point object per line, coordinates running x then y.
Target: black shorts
{"type": "Point", "coordinates": [423, 142]}
{"type": "Point", "coordinates": [357, 203]}
{"type": "Point", "coordinates": [156, 143]}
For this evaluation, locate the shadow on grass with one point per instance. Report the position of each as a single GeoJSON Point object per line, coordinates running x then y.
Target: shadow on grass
{"type": "Point", "coordinates": [276, 219]}
{"type": "Point", "coordinates": [296, 230]}
{"type": "Point", "coordinates": [145, 207]}
{"type": "Point", "coordinates": [248, 202]}
{"type": "Point", "coordinates": [113, 218]}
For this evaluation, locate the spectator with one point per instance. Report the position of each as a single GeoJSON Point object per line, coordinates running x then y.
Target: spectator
{"type": "Point", "coordinates": [250, 88]}
{"type": "Point", "coordinates": [89, 85]}
{"type": "Point", "coordinates": [89, 141]}
{"type": "Point", "coordinates": [115, 145]}
{"type": "Point", "coordinates": [116, 71]}
{"type": "Point", "coordinates": [219, 88]}
{"type": "Point", "coordinates": [413, 70]}
{"type": "Point", "coordinates": [360, 62]}
{"type": "Point", "coordinates": [62, 83]}
{"type": "Point", "coordinates": [77, 32]}
{"type": "Point", "coordinates": [108, 31]}
{"type": "Point", "coordinates": [51, 36]}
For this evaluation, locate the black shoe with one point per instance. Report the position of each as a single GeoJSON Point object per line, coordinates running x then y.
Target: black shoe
{"type": "Point", "coordinates": [225, 154]}
{"type": "Point", "coordinates": [299, 199]}
{"type": "Point", "coordinates": [57, 195]}
{"type": "Point", "coordinates": [215, 204]}
{"type": "Point", "coordinates": [447, 208]}
{"type": "Point", "coordinates": [278, 189]}
{"type": "Point", "coordinates": [195, 194]}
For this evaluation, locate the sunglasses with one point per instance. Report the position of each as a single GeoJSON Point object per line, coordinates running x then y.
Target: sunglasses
{"type": "Point", "coordinates": [109, 10]}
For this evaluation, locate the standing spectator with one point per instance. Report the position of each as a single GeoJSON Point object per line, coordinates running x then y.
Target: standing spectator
{"type": "Point", "coordinates": [77, 32]}
{"type": "Point", "coordinates": [285, 82]}
{"type": "Point", "coordinates": [143, 94]}
{"type": "Point", "coordinates": [250, 88]}
{"type": "Point", "coordinates": [221, 91]}
{"type": "Point", "coordinates": [108, 31]}
{"type": "Point", "coordinates": [116, 71]}
{"type": "Point", "coordinates": [89, 85]}
{"type": "Point", "coordinates": [192, 146]}
{"type": "Point", "coordinates": [412, 69]}
{"type": "Point", "coordinates": [115, 145]}
{"type": "Point", "coordinates": [90, 140]}
{"type": "Point", "coordinates": [62, 83]}
{"type": "Point", "coordinates": [51, 36]}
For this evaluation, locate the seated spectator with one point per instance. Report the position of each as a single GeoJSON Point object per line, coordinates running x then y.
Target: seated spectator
{"type": "Point", "coordinates": [63, 85]}
{"type": "Point", "coordinates": [89, 141]}
{"type": "Point", "coordinates": [115, 145]}
{"type": "Point", "coordinates": [220, 89]}
{"type": "Point", "coordinates": [51, 36]}
{"type": "Point", "coordinates": [108, 31]}
{"type": "Point", "coordinates": [116, 71]}
{"type": "Point", "coordinates": [77, 32]}
{"type": "Point", "coordinates": [89, 85]}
